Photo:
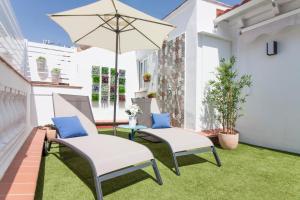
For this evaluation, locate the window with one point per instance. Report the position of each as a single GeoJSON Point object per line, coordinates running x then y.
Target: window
{"type": "Point", "coordinates": [143, 68]}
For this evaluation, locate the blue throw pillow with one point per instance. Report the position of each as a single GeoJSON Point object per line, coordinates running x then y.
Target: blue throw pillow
{"type": "Point", "coordinates": [161, 120]}
{"type": "Point", "coordinates": [69, 127]}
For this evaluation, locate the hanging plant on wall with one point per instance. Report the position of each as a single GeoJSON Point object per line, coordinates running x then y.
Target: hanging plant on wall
{"type": "Point", "coordinates": [147, 77]}
{"type": "Point", "coordinates": [226, 96]}
{"type": "Point", "coordinates": [122, 81]}
{"type": "Point", "coordinates": [112, 84]}
{"type": "Point", "coordinates": [55, 74]}
{"type": "Point", "coordinates": [151, 95]}
{"type": "Point", "coordinates": [41, 63]}
{"type": "Point", "coordinates": [104, 85]}
{"type": "Point", "coordinates": [95, 83]}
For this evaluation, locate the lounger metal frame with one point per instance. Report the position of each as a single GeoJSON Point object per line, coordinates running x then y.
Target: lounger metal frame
{"type": "Point", "coordinates": [99, 179]}
{"type": "Point", "coordinates": [187, 152]}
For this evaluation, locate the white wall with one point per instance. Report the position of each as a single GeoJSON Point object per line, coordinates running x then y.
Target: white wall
{"type": "Point", "coordinates": [211, 47]}
{"type": "Point", "coordinates": [206, 15]}
{"type": "Point", "coordinates": [272, 112]}
{"type": "Point", "coordinates": [103, 58]}
{"type": "Point", "coordinates": [42, 99]}
{"type": "Point", "coordinates": [211, 50]}
{"type": "Point", "coordinates": [14, 129]}
{"type": "Point", "coordinates": [84, 61]}
{"type": "Point", "coordinates": [185, 19]}
{"type": "Point", "coordinates": [202, 54]}
{"type": "Point", "coordinates": [56, 57]}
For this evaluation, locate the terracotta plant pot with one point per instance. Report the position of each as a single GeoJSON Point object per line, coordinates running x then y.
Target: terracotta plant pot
{"type": "Point", "coordinates": [51, 134]}
{"type": "Point", "coordinates": [146, 80]}
{"type": "Point", "coordinates": [55, 78]}
{"type": "Point", "coordinates": [228, 141]}
{"type": "Point", "coordinates": [147, 77]}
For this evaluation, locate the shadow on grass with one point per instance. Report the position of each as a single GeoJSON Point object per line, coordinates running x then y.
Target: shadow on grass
{"type": "Point", "coordinates": [39, 191]}
{"type": "Point", "coordinates": [161, 152]}
{"type": "Point", "coordinates": [81, 168]}
{"type": "Point", "coordinates": [275, 150]}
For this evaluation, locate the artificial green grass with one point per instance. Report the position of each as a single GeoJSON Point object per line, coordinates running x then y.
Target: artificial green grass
{"type": "Point", "coordinates": [247, 173]}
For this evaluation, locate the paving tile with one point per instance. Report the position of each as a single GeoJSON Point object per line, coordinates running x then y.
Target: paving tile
{"type": "Point", "coordinates": [20, 178]}
{"type": "Point", "coordinates": [17, 188]}
{"type": "Point", "coordinates": [19, 181]}
{"type": "Point", "coordinates": [16, 197]}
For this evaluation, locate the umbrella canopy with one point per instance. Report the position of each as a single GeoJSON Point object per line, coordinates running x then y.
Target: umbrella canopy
{"type": "Point", "coordinates": [112, 25]}
{"type": "Point", "coordinates": [96, 25]}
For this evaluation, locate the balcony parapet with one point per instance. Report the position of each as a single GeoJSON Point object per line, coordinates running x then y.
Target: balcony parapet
{"type": "Point", "coordinates": [13, 112]}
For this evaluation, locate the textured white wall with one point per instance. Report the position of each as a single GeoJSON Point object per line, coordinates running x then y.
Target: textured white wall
{"type": "Point", "coordinates": [9, 148]}
{"type": "Point", "coordinates": [272, 111]}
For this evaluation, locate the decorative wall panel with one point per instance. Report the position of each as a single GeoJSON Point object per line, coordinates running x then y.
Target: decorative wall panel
{"type": "Point", "coordinates": [104, 85]}
{"type": "Point", "coordinates": [95, 83]}
{"type": "Point", "coordinates": [122, 81]}
{"type": "Point", "coordinates": [171, 79]}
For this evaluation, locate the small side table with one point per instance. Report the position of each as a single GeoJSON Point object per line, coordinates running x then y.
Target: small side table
{"type": "Point", "coordinates": [133, 130]}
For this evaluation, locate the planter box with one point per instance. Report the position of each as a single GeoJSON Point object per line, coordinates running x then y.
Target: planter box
{"type": "Point", "coordinates": [212, 135]}
{"type": "Point", "coordinates": [50, 134]}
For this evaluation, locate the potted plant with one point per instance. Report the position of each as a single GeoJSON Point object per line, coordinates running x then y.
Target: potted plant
{"type": "Point", "coordinates": [55, 74]}
{"type": "Point", "coordinates": [50, 131]}
{"type": "Point", "coordinates": [147, 77]}
{"type": "Point", "coordinates": [226, 96]}
{"type": "Point", "coordinates": [132, 112]}
{"type": "Point", "coordinates": [41, 63]}
{"type": "Point", "coordinates": [151, 95]}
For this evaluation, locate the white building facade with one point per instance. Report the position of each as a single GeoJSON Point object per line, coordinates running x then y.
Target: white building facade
{"type": "Point", "coordinates": [76, 69]}
{"type": "Point", "coordinates": [272, 111]}
{"type": "Point", "coordinates": [15, 90]}
{"type": "Point", "coordinates": [200, 40]}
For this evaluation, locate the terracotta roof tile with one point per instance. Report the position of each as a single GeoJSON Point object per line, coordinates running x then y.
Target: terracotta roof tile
{"type": "Point", "coordinates": [222, 12]}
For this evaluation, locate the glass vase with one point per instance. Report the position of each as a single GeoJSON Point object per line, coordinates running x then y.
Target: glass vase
{"type": "Point", "coordinates": [132, 121]}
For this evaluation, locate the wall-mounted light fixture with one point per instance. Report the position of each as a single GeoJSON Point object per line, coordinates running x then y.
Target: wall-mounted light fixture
{"type": "Point", "coordinates": [272, 48]}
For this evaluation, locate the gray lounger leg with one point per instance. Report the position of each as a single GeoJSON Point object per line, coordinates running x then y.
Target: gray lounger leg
{"type": "Point", "coordinates": [156, 171]}
{"type": "Point", "coordinates": [49, 145]}
{"type": "Point", "coordinates": [176, 164]}
{"type": "Point", "coordinates": [98, 188]}
{"type": "Point", "coordinates": [214, 151]}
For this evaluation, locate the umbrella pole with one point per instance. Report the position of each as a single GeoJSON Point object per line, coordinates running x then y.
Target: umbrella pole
{"type": "Point", "coordinates": [116, 73]}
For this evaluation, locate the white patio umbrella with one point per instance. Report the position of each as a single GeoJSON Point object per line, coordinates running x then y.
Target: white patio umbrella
{"type": "Point", "coordinates": [112, 25]}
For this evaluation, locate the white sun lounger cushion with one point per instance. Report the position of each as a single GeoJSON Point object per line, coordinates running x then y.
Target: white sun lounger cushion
{"type": "Point", "coordinates": [110, 153]}
{"type": "Point", "coordinates": [180, 139]}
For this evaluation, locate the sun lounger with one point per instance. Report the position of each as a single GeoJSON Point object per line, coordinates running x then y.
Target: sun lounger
{"type": "Point", "coordinates": [180, 141]}
{"type": "Point", "coordinates": [108, 156]}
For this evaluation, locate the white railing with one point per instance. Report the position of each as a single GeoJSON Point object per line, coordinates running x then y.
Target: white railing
{"type": "Point", "coordinates": [13, 112]}
{"type": "Point", "coordinates": [13, 47]}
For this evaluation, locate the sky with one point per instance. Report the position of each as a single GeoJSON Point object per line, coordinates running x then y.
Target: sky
{"type": "Point", "coordinates": [36, 26]}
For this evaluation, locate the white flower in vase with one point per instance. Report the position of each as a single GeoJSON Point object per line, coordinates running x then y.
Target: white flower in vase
{"type": "Point", "coordinates": [132, 112]}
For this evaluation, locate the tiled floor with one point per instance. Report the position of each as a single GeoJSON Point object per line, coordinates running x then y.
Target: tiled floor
{"type": "Point", "coordinates": [19, 181]}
